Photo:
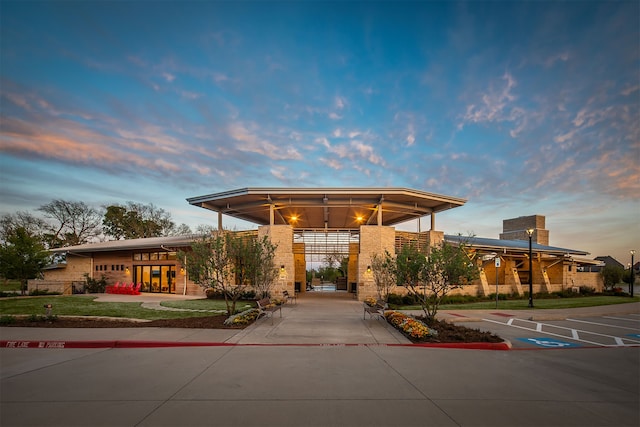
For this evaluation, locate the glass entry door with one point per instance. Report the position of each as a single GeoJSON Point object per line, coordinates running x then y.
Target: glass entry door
{"type": "Point", "coordinates": [156, 278]}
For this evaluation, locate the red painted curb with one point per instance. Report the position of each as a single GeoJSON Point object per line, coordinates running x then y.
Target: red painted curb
{"type": "Point", "coordinates": [106, 344]}
{"type": "Point", "coordinates": [157, 344]}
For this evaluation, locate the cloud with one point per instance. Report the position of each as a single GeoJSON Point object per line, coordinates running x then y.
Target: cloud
{"type": "Point", "coordinates": [494, 104]}
{"type": "Point", "coordinates": [629, 90]}
{"type": "Point", "coordinates": [334, 116]}
{"type": "Point", "coordinates": [563, 56]}
{"type": "Point", "coordinates": [169, 77]}
{"type": "Point", "coordinates": [248, 140]}
{"type": "Point", "coordinates": [332, 163]}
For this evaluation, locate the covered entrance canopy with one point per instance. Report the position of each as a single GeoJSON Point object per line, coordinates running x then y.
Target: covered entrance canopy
{"type": "Point", "coordinates": [329, 208]}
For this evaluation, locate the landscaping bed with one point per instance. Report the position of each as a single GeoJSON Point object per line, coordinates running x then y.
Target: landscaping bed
{"type": "Point", "coordinates": [209, 322]}
{"type": "Point", "coordinates": [450, 333]}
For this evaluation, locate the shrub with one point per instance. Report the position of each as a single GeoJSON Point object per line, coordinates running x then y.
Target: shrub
{"type": "Point", "coordinates": [587, 290]}
{"type": "Point", "coordinates": [37, 292]}
{"type": "Point", "coordinates": [4, 294]}
{"type": "Point", "coordinates": [394, 299]}
{"type": "Point", "coordinates": [409, 299]}
{"type": "Point", "coordinates": [7, 320]}
{"type": "Point", "coordinates": [41, 318]}
{"type": "Point", "coordinates": [249, 295]}
{"type": "Point", "coordinates": [95, 286]}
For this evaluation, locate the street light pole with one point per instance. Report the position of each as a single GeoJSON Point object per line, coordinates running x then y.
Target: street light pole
{"type": "Point", "coordinates": [633, 275]}
{"type": "Point", "coordinates": [530, 234]}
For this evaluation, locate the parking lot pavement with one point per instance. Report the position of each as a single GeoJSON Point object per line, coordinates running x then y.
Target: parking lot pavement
{"type": "Point", "coordinates": [379, 385]}
{"type": "Point", "coordinates": [570, 329]}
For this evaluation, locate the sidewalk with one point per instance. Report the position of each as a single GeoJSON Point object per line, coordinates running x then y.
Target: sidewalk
{"type": "Point", "coordinates": [314, 319]}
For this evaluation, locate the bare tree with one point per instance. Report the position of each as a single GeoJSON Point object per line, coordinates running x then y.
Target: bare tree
{"type": "Point", "coordinates": [34, 226]}
{"type": "Point", "coordinates": [74, 223]}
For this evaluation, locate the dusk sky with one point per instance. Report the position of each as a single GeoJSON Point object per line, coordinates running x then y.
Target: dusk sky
{"type": "Point", "coordinates": [522, 108]}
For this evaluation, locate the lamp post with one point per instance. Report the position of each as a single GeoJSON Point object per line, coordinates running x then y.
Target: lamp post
{"type": "Point", "coordinates": [530, 234]}
{"type": "Point", "coordinates": [633, 275]}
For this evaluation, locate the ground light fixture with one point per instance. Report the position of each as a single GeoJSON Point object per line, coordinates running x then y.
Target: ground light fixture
{"type": "Point", "coordinates": [633, 274]}
{"type": "Point", "coordinates": [530, 234]}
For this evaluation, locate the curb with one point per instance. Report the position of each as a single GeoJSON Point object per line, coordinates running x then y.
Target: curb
{"type": "Point", "coordinates": [506, 345]}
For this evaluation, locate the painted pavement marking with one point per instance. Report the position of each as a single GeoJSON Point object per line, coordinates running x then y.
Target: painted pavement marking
{"type": "Point", "coordinates": [549, 342]}
{"type": "Point", "coordinates": [576, 334]}
{"type": "Point", "coordinates": [621, 318]}
{"type": "Point", "coordinates": [601, 324]}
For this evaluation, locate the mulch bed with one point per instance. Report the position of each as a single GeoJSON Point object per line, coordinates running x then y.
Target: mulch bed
{"type": "Point", "coordinates": [451, 333]}
{"type": "Point", "coordinates": [209, 322]}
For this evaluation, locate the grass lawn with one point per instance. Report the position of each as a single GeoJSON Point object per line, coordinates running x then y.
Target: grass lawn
{"type": "Point", "coordinates": [84, 305]}
{"type": "Point", "coordinates": [9, 286]}
{"type": "Point", "coordinates": [541, 304]}
{"type": "Point", "coordinates": [207, 304]}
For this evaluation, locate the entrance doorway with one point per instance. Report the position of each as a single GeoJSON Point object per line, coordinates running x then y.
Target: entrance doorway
{"type": "Point", "coordinates": [329, 258]}
{"type": "Point", "coordinates": [156, 278]}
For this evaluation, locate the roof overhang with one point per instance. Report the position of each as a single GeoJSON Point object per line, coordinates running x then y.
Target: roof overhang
{"type": "Point", "coordinates": [334, 208]}
{"type": "Point", "coordinates": [169, 243]}
{"type": "Point", "coordinates": [510, 246]}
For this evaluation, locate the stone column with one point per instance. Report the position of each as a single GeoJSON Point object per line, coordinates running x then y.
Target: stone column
{"type": "Point", "coordinates": [373, 240]}
{"type": "Point", "coordinates": [282, 237]}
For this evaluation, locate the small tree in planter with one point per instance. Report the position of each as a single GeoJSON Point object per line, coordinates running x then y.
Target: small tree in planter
{"type": "Point", "coordinates": [430, 278]}
{"type": "Point", "coordinates": [383, 268]}
{"type": "Point", "coordinates": [230, 263]}
{"type": "Point", "coordinates": [261, 268]}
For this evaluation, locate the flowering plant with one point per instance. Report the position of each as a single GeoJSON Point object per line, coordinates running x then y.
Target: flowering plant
{"type": "Point", "coordinates": [243, 318]}
{"type": "Point", "coordinates": [370, 301]}
{"type": "Point", "coordinates": [410, 326]}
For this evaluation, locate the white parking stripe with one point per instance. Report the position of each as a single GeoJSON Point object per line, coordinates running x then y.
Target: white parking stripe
{"type": "Point", "coordinates": [621, 318]}
{"type": "Point", "coordinates": [602, 324]}
{"type": "Point", "coordinates": [574, 332]}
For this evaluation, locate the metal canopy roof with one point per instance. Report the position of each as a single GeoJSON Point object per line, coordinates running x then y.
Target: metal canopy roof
{"type": "Point", "coordinates": [511, 246]}
{"type": "Point", "coordinates": [334, 208]}
{"type": "Point", "coordinates": [169, 242]}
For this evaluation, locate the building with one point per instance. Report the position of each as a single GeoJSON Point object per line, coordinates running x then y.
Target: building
{"type": "Point", "coordinates": [312, 223]}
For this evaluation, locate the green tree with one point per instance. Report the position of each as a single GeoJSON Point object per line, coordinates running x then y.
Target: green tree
{"type": "Point", "coordinates": [135, 220]}
{"type": "Point", "coordinates": [22, 257]}
{"type": "Point", "coordinates": [230, 263]}
{"type": "Point", "coordinates": [383, 269]}
{"type": "Point", "coordinates": [261, 271]}
{"type": "Point", "coordinates": [430, 278]}
{"type": "Point", "coordinates": [611, 276]}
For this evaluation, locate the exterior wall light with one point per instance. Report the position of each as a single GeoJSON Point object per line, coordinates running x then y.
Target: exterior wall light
{"type": "Point", "coordinates": [368, 269]}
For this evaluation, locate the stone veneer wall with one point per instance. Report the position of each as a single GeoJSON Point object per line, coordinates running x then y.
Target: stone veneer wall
{"type": "Point", "coordinates": [374, 239]}
{"type": "Point", "coordinates": [515, 229]}
{"type": "Point", "coordinates": [282, 237]}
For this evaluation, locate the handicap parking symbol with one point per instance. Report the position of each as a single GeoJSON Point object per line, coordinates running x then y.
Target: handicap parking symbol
{"type": "Point", "coordinates": [634, 335]}
{"type": "Point", "coordinates": [549, 342]}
